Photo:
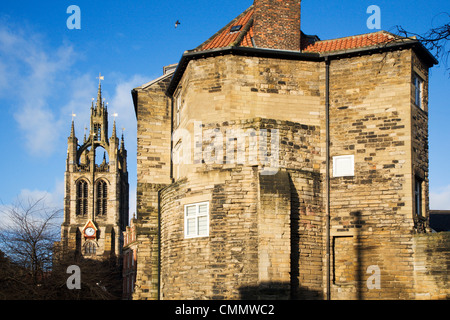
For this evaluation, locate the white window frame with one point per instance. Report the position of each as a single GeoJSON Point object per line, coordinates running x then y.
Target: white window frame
{"type": "Point", "coordinates": [196, 217]}
{"type": "Point", "coordinates": [339, 173]}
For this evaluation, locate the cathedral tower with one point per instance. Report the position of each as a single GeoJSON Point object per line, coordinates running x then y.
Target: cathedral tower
{"type": "Point", "coordinates": [96, 189]}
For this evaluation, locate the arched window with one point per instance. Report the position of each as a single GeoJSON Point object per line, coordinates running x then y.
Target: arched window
{"type": "Point", "coordinates": [97, 132]}
{"type": "Point", "coordinates": [102, 197]}
{"type": "Point", "coordinates": [82, 198]}
{"type": "Point", "coordinates": [90, 248]}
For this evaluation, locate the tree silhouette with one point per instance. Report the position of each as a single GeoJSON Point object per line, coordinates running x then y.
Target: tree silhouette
{"type": "Point", "coordinates": [435, 40]}
{"type": "Point", "coordinates": [33, 268]}
{"type": "Point", "coordinates": [27, 232]}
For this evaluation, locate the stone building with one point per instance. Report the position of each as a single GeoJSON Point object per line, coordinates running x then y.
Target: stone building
{"type": "Point", "coordinates": [271, 164]}
{"type": "Point", "coordinates": [129, 260]}
{"type": "Point", "coordinates": [96, 190]}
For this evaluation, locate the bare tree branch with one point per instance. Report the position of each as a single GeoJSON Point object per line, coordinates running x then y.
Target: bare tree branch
{"type": "Point", "coordinates": [436, 39]}
{"type": "Point", "coordinates": [28, 231]}
{"type": "Point", "coordinates": [27, 234]}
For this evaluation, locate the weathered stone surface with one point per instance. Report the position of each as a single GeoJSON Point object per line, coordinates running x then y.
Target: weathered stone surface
{"type": "Point", "coordinates": [267, 233]}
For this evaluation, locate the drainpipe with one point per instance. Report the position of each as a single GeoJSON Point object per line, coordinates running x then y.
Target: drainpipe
{"type": "Point", "coordinates": [159, 244]}
{"type": "Point", "coordinates": [327, 175]}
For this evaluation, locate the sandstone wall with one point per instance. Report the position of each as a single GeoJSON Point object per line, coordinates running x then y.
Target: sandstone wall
{"type": "Point", "coordinates": [432, 266]}
{"type": "Point", "coordinates": [264, 226]}
{"type": "Point", "coordinates": [372, 217]}
{"type": "Point", "coordinates": [153, 173]}
{"type": "Point", "coordinates": [269, 231]}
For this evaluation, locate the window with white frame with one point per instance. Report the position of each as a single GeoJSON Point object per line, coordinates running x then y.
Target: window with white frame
{"type": "Point", "coordinates": [196, 220]}
{"type": "Point", "coordinates": [418, 91]}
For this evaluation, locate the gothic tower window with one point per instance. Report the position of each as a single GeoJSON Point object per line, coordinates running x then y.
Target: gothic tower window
{"type": "Point", "coordinates": [90, 248]}
{"type": "Point", "coordinates": [102, 197]}
{"type": "Point", "coordinates": [97, 132]}
{"type": "Point", "coordinates": [82, 197]}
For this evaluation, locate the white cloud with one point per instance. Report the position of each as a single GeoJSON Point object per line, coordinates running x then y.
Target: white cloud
{"type": "Point", "coordinates": [79, 94]}
{"type": "Point", "coordinates": [44, 87]}
{"type": "Point", "coordinates": [122, 104]}
{"type": "Point", "coordinates": [51, 199]}
{"type": "Point", "coordinates": [31, 73]}
{"type": "Point", "coordinates": [440, 199]}
{"type": "Point", "coordinates": [49, 202]}
{"type": "Point", "coordinates": [39, 128]}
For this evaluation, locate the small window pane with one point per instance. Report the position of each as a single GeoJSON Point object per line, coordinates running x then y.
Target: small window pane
{"type": "Point", "coordinates": [235, 28]}
{"type": "Point", "coordinates": [203, 209]}
{"type": "Point", "coordinates": [417, 82]}
{"type": "Point", "coordinates": [190, 211]}
{"type": "Point", "coordinates": [418, 196]}
{"type": "Point", "coordinates": [190, 225]}
{"type": "Point", "coordinates": [202, 226]}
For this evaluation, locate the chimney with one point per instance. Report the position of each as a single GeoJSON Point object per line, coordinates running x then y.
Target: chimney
{"type": "Point", "coordinates": [276, 24]}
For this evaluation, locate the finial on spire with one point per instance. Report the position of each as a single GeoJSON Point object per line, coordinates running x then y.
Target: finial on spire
{"type": "Point", "coordinates": [115, 115]}
{"type": "Point", "coordinates": [122, 142]}
{"type": "Point", "coordinates": [100, 78]}
{"type": "Point", "coordinates": [72, 129]}
{"type": "Point", "coordinates": [114, 129]}
{"type": "Point", "coordinates": [99, 93]}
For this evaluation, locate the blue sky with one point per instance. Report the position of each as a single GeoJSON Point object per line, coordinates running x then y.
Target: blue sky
{"type": "Point", "coordinates": [48, 72]}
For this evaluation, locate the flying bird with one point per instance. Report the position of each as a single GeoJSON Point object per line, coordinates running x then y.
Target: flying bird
{"type": "Point", "coordinates": [177, 23]}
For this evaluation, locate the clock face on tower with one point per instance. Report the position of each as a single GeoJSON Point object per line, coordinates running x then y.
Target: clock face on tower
{"type": "Point", "coordinates": [89, 231]}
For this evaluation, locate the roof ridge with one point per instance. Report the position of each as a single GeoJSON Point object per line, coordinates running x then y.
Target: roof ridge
{"type": "Point", "coordinates": [361, 35]}
{"type": "Point", "coordinates": [360, 41]}
{"type": "Point", "coordinates": [150, 83]}
{"type": "Point", "coordinates": [225, 38]}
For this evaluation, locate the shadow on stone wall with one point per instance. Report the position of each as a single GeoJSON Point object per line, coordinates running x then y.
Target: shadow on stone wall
{"type": "Point", "coordinates": [277, 291]}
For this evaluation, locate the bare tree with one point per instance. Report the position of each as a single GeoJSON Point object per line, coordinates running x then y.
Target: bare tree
{"type": "Point", "coordinates": [28, 230]}
{"type": "Point", "coordinates": [436, 39]}
{"type": "Point", "coordinates": [28, 268]}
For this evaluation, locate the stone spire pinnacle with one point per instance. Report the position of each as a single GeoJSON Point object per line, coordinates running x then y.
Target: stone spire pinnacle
{"type": "Point", "coordinates": [99, 92]}
{"type": "Point", "coordinates": [114, 130]}
{"type": "Point", "coordinates": [122, 143]}
{"type": "Point", "coordinates": [99, 96]}
{"type": "Point", "coordinates": [72, 130]}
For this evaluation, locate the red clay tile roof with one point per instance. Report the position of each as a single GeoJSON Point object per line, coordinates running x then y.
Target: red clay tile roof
{"type": "Point", "coordinates": [243, 38]}
{"type": "Point", "coordinates": [225, 37]}
{"type": "Point", "coordinates": [354, 42]}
